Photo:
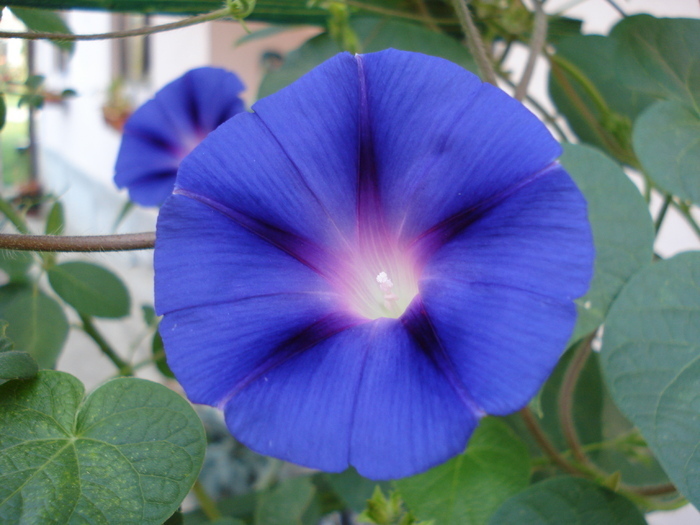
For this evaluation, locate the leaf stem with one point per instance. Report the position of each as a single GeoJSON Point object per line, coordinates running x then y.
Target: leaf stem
{"type": "Point", "coordinates": [88, 243]}
{"type": "Point", "coordinates": [15, 218]}
{"type": "Point", "coordinates": [393, 12]}
{"type": "Point", "coordinates": [566, 395]}
{"type": "Point", "coordinates": [474, 41]}
{"type": "Point", "coordinates": [662, 213]}
{"type": "Point", "coordinates": [206, 503]}
{"type": "Point", "coordinates": [583, 81]}
{"type": "Point", "coordinates": [617, 8]}
{"type": "Point", "coordinates": [90, 329]}
{"type": "Point", "coordinates": [425, 13]}
{"type": "Point", "coordinates": [539, 39]}
{"type": "Point", "coordinates": [548, 117]}
{"type": "Point", "coordinates": [544, 443]}
{"type": "Point", "coordinates": [687, 214]}
{"type": "Point", "coordinates": [655, 490]}
{"type": "Point", "coordinates": [148, 30]}
{"type": "Point", "coordinates": [559, 68]}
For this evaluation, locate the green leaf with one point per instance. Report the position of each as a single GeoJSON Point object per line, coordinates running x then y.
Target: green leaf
{"type": "Point", "coordinates": [239, 508]}
{"type": "Point", "coordinates": [630, 456]}
{"type": "Point", "coordinates": [651, 363]}
{"type": "Point", "coordinates": [568, 500]}
{"type": "Point", "coordinates": [623, 232]}
{"type": "Point", "coordinates": [90, 289]}
{"type": "Point", "coordinates": [158, 352]}
{"type": "Point", "coordinates": [37, 323]}
{"type": "Point", "coordinates": [383, 510]}
{"type": "Point", "coordinates": [286, 503]}
{"type": "Point", "coordinates": [34, 82]}
{"type": "Point", "coordinates": [55, 221]}
{"type": "Point", "coordinates": [44, 21]}
{"type": "Point", "coordinates": [3, 110]}
{"type": "Point", "coordinates": [660, 57]}
{"type": "Point", "coordinates": [17, 365]}
{"type": "Point", "coordinates": [14, 364]}
{"type": "Point", "coordinates": [470, 487]}
{"type": "Point", "coordinates": [265, 32]}
{"type": "Point", "coordinates": [354, 489]}
{"type": "Point", "coordinates": [592, 55]}
{"type": "Point", "coordinates": [561, 27]}
{"type": "Point", "coordinates": [128, 453]}
{"type": "Point", "coordinates": [6, 343]}
{"type": "Point", "coordinates": [667, 142]}
{"type": "Point", "coordinates": [175, 519]}
{"type": "Point", "coordinates": [31, 100]}
{"type": "Point", "coordinates": [374, 35]}
{"type": "Point", "coordinates": [587, 402]}
{"type": "Point", "coordinates": [15, 264]}
{"type": "Point", "coordinates": [149, 315]}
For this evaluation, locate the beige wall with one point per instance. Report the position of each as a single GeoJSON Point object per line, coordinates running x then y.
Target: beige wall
{"type": "Point", "coordinates": [245, 60]}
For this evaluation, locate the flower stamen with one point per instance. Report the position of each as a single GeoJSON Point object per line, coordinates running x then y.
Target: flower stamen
{"type": "Point", "coordinates": [386, 285]}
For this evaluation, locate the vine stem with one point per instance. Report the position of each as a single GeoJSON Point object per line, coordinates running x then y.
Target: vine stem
{"type": "Point", "coordinates": [559, 66]}
{"type": "Point", "coordinates": [425, 13]}
{"type": "Point", "coordinates": [566, 395]}
{"type": "Point", "coordinates": [87, 243]}
{"type": "Point", "coordinates": [539, 39]}
{"type": "Point", "coordinates": [548, 117]}
{"type": "Point", "coordinates": [685, 211]}
{"type": "Point", "coordinates": [617, 8]}
{"type": "Point", "coordinates": [655, 490]}
{"type": "Point", "coordinates": [90, 329]}
{"type": "Point", "coordinates": [662, 213]}
{"type": "Point", "coordinates": [474, 42]}
{"type": "Point", "coordinates": [206, 503]}
{"type": "Point", "coordinates": [148, 30]}
{"type": "Point", "coordinates": [544, 443]}
{"type": "Point", "coordinates": [399, 14]}
{"type": "Point", "coordinates": [14, 217]}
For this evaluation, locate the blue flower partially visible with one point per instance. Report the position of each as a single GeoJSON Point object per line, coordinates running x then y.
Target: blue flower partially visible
{"type": "Point", "coordinates": [167, 128]}
{"type": "Point", "coordinates": [378, 256]}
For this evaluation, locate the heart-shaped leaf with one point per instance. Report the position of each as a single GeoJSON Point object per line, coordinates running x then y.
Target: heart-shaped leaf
{"type": "Point", "coordinates": [651, 363]}
{"type": "Point", "coordinates": [659, 57]}
{"type": "Point", "coordinates": [470, 487]}
{"type": "Point", "coordinates": [622, 230]}
{"type": "Point", "coordinates": [128, 453]}
{"type": "Point", "coordinates": [568, 500]}
{"type": "Point", "coordinates": [667, 141]}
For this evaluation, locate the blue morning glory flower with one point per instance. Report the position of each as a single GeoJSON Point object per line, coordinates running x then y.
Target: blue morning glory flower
{"type": "Point", "coordinates": [381, 254]}
{"type": "Point", "coordinates": [167, 128]}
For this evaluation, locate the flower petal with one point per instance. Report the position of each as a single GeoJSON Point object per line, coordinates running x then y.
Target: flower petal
{"type": "Point", "coordinates": [216, 350]}
{"type": "Point", "coordinates": [204, 86]}
{"type": "Point", "coordinates": [500, 294]}
{"type": "Point", "coordinates": [443, 141]}
{"type": "Point", "coordinates": [166, 128]}
{"type": "Point", "coordinates": [302, 411]}
{"type": "Point", "coordinates": [203, 257]}
{"type": "Point", "coordinates": [315, 122]}
{"type": "Point", "coordinates": [369, 396]}
{"type": "Point", "coordinates": [262, 186]}
{"type": "Point", "coordinates": [408, 416]}
{"type": "Point", "coordinates": [152, 190]}
{"type": "Point", "coordinates": [230, 299]}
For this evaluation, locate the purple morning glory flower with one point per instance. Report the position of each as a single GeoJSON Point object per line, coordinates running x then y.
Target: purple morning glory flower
{"type": "Point", "coordinates": [167, 128]}
{"type": "Point", "coordinates": [379, 255]}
